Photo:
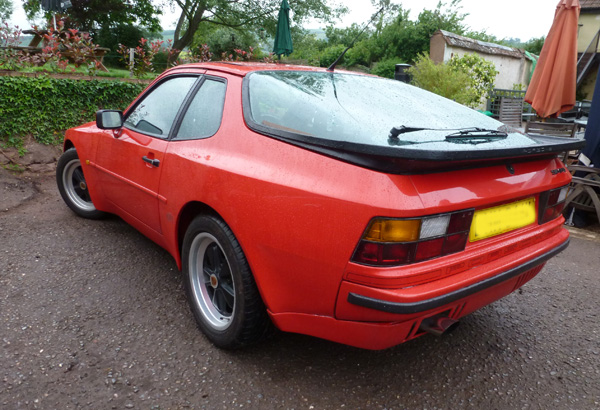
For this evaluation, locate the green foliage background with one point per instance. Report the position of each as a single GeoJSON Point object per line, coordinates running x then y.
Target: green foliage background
{"type": "Point", "coordinates": [386, 68]}
{"type": "Point", "coordinates": [5, 9]}
{"type": "Point", "coordinates": [466, 80]}
{"type": "Point", "coordinates": [45, 107]}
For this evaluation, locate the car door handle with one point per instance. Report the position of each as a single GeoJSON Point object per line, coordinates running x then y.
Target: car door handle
{"type": "Point", "coordinates": [153, 162]}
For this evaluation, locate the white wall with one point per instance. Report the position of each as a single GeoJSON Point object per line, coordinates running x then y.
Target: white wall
{"type": "Point", "coordinates": [512, 70]}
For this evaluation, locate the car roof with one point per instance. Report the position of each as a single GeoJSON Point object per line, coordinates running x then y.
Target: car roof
{"type": "Point", "coordinates": [243, 68]}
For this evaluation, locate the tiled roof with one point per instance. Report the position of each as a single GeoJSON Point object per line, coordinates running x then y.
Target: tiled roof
{"type": "Point", "coordinates": [480, 46]}
{"type": "Point", "coordinates": [590, 4]}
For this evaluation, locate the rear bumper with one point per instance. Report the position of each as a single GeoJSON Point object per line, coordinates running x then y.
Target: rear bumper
{"type": "Point", "coordinates": [383, 335]}
{"type": "Point", "coordinates": [372, 317]}
{"type": "Point", "coordinates": [437, 302]}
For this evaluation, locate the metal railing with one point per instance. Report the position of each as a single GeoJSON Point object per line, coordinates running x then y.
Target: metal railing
{"type": "Point", "coordinates": [584, 65]}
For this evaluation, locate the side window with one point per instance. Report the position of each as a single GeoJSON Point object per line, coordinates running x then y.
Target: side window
{"type": "Point", "coordinates": [203, 117]}
{"type": "Point", "coordinates": [155, 114]}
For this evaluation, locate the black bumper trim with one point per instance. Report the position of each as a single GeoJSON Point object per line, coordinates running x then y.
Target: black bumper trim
{"type": "Point", "coordinates": [423, 305]}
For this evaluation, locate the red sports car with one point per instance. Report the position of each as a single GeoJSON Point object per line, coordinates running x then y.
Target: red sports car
{"type": "Point", "coordinates": [340, 205]}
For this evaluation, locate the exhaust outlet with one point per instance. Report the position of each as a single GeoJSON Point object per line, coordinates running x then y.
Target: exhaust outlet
{"type": "Point", "coordinates": [438, 325]}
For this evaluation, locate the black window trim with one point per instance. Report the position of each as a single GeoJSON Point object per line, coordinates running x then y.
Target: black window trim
{"type": "Point", "coordinates": [188, 102]}
{"type": "Point", "coordinates": [150, 90]}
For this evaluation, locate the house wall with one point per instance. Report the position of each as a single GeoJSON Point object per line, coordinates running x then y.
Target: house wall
{"type": "Point", "coordinates": [511, 70]}
{"type": "Point", "coordinates": [589, 26]}
{"type": "Point", "coordinates": [437, 48]}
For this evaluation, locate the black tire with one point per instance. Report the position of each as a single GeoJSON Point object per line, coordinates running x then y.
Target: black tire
{"type": "Point", "coordinates": [220, 287]}
{"type": "Point", "coordinates": [73, 187]}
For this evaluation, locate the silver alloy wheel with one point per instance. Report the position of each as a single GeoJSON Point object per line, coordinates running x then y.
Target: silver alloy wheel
{"type": "Point", "coordinates": [212, 281]}
{"type": "Point", "coordinates": [76, 187]}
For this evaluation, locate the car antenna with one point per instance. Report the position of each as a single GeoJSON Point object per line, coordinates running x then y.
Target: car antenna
{"type": "Point", "coordinates": [332, 66]}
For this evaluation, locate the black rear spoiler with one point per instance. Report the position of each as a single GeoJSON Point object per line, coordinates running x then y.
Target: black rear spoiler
{"type": "Point", "coordinates": [406, 161]}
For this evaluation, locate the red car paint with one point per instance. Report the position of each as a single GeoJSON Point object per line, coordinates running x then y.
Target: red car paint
{"type": "Point", "coordinates": [299, 215]}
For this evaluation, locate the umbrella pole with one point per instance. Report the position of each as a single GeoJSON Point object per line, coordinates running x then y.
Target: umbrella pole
{"type": "Point", "coordinates": [54, 18]}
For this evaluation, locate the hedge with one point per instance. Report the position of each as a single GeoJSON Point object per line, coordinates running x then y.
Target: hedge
{"type": "Point", "coordinates": [44, 107]}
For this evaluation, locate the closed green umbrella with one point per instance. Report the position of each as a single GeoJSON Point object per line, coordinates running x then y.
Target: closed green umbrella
{"type": "Point", "coordinates": [56, 5]}
{"type": "Point", "coordinates": [283, 37]}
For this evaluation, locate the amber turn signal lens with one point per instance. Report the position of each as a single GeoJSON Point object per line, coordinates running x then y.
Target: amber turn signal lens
{"type": "Point", "coordinates": [393, 230]}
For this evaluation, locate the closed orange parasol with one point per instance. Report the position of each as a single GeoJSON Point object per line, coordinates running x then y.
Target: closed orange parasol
{"type": "Point", "coordinates": [552, 88]}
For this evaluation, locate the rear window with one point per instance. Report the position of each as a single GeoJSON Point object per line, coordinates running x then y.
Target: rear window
{"type": "Point", "coordinates": [341, 107]}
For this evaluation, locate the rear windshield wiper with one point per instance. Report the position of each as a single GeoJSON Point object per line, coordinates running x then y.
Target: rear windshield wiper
{"type": "Point", "coordinates": [472, 135]}
{"type": "Point", "coordinates": [394, 132]}
{"type": "Point", "coordinates": [476, 136]}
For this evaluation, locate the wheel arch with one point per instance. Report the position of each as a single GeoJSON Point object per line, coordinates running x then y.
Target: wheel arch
{"type": "Point", "coordinates": [186, 215]}
{"type": "Point", "coordinates": [68, 144]}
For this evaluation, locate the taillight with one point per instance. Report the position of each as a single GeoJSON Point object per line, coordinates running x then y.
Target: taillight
{"type": "Point", "coordinates": [552, 203]}
{"type": "Point", "coordinates": [394, 242]}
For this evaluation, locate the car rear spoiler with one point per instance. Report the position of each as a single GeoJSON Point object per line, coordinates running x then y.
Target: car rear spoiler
{"type": "Point", "coordinates": [410, 161]}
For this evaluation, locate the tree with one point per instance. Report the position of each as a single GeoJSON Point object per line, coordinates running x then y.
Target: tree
{"type": "Point", "coordinates": [240, 14]}
{"type": "Point", "coordinates": [403, 38]}
{"type": "Point", "coordinates": [343, 36]}
{"type": "Point", "coordinates": [307, 46]}
{"type": "Point", "coordinates": [488, 38]}
{"type": "Point", "coordinates": [5, 9]}
{"type": "Point", "coordinates": [535, 45]}
{"type": "Point", "coordinates": [91, 15]}
{"type": "Point", "coordinates": [224, 40]}
{"type": "Point", "coordinates": [128, 35]}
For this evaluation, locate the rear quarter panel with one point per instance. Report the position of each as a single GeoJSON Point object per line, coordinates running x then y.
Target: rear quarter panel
{"type": "Point", "coordinates": [298, 215]}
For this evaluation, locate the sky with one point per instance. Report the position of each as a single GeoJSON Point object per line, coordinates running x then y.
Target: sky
{"type": "Point", "coordinates": [524, 19]}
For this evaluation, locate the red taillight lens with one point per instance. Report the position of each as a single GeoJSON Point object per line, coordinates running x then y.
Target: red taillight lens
{"type": "Point", "coordinates": [455, 243]}
{"type": "Point", "coordinates": [552, 204]}
{"type": "Point", "coordinates": [429, 249]}
{"type": "Point", "coordinates": [460, 222]}
{"type": "Point", "coordinates": [369, 253]}
{"type": "Point", "coordinates": [384, 254]}
{"type": "Point", "coordinates": [397, 254]}
{"type": "Point", "coordinates": [395, 242]}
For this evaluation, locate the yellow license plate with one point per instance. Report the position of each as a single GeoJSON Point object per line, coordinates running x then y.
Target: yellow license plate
{"type": "Point", "coordinates": [500, 219]}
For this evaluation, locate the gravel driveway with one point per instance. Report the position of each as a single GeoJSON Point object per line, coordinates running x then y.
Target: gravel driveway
{"type": "Point", "coordinates": [93, 315]}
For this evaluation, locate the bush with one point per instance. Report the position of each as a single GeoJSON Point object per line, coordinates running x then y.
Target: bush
{"type": "Point", "coordinates": [330, 54]}
{"type": "Point", "coordinates": [45, 107]}
{"type": "Point", "coordinates": [160, 62]}
{"type": "Point", "coordinates": [481, 72]}
{"type": "Point", "coordinates": [443, 80]}
{"type": "Point", "coordinates": [465, 80]}
{"type": "Point", "coordinates": [60, 47]}
{"type": "Point", "coordinates": [360, 54]}
{"type": "Point", "coordinates": [386, 68]}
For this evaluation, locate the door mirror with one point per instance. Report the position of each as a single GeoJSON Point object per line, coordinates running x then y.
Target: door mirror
{"type": "Point", "coordinates": [109, 119]}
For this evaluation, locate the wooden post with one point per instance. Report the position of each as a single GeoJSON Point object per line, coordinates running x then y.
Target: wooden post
{"type": "Point", "coordinates": [131, 61]}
